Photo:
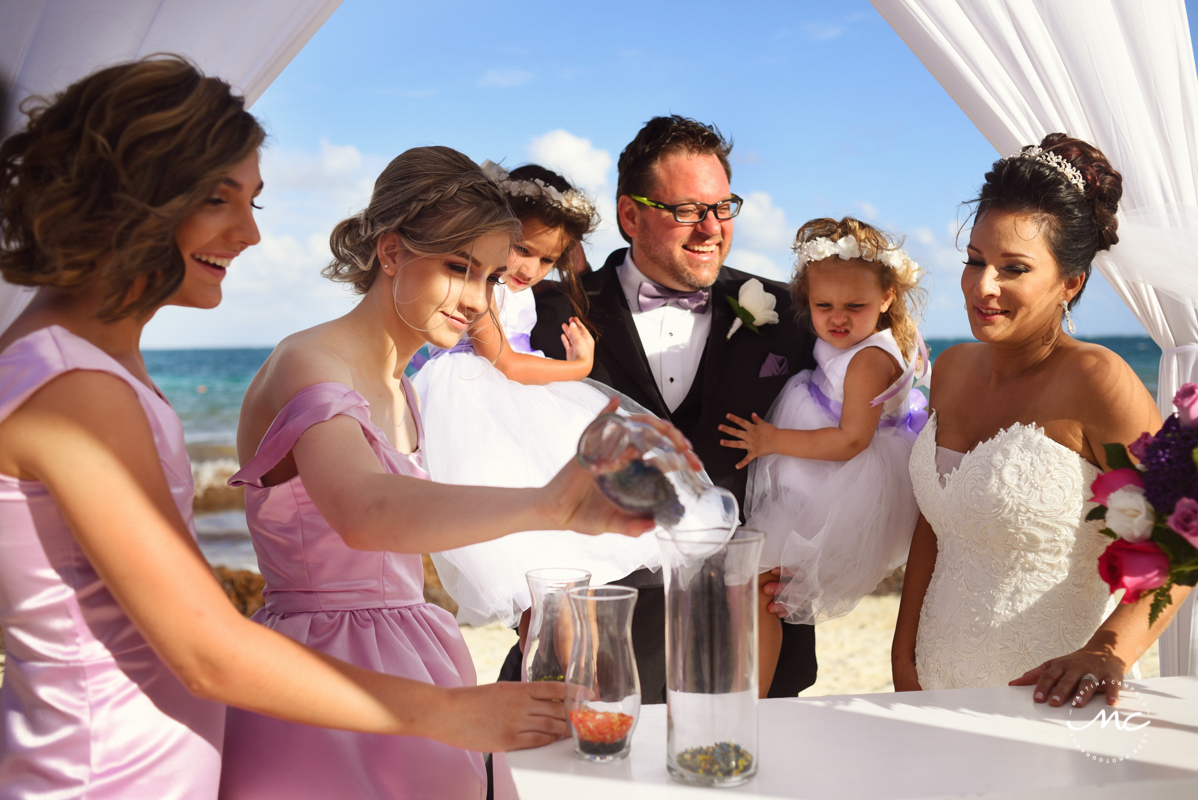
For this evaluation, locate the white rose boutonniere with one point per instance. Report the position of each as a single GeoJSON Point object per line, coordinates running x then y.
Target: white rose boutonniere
{"type": "Point", "coordinates": [754, 307]}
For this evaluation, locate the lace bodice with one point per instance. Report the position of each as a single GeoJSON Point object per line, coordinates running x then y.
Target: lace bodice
{"type": "Point", "coordinates": [1016, 579]}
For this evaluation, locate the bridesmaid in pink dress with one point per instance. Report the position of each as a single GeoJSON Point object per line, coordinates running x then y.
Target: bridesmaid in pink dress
{"type": "Point", "coordinates": [132, 190]}
{"type": "Point", "coordinates": [327, 420]}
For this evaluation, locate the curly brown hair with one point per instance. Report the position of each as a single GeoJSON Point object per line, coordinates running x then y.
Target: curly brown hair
{"type": "Point", "coordinates": [902, 318]}
{"type": "Point", "coordinates": [95, 185]}
{"type": "Point", "coordinates": [435, 198]}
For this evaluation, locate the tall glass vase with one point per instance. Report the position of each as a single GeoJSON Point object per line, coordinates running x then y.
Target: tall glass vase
{"type": "Point", "coordinates": [551, 624]}
{"type": "Point", "coordinates": [603, 690]}
{"type": "Point", "coordinates": [711, 655]}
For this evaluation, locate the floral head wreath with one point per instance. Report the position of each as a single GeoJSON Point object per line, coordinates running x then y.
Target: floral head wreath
{"type": "Point", "coordinates": [1059, 163]}
{"type": "Point", "coordinates": [572, 200]}
{"type": "Point", "coordinates": [847, 247]}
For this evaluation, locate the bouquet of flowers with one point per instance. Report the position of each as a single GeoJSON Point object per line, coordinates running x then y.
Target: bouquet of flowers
{"type": "Point", "coordinates": [1150, 510]}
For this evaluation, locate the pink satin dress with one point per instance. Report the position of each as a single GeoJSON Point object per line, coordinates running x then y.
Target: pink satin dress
{"type": "Point", "coordinates": [366, 608]}
{"type": "Point", "coordinates": [89, 711]}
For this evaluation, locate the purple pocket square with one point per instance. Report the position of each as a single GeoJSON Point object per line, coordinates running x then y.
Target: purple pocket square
{"type": "Point", "coordinates": [774, 365]}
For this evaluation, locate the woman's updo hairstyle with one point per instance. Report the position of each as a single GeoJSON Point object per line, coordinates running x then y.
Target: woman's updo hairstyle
{"type": "Point", "coordinates": [104, 172]}
{"type": "Point", "coordinates": [1078, 222]}
{"type": "Point", "coordinates": [435, 198]}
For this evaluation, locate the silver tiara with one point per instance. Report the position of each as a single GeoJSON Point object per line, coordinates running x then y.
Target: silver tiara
{"type": "Point", "coordinates": [1055, 161]}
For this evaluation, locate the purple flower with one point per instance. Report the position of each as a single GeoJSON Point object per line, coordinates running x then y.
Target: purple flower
{"type": "Point", "coordinates": [1139, 448]}
{"type": "Point", "coordinates": [1184, 519]}
{"type": "Point", "coordinates": [1170, 463]}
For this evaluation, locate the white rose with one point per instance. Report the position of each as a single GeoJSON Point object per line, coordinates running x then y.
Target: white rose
{"type": "Point", "coordinates": [758, 302]}
{"type": "Point", "coordinates": [1129, 514]}
{"type": "Point", "coordinates": [849, 248]}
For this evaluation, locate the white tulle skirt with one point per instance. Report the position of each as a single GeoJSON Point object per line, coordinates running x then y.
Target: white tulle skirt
{"type": "Point", "coordinates": [482, 429]}
{"type": "Point", "coordinates": [835, 527]}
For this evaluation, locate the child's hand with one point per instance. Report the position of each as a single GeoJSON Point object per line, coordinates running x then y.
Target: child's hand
{"type": "Point", "coordinates": [757, 437]}
{"type": "Point", "coordinates": [580, 345]}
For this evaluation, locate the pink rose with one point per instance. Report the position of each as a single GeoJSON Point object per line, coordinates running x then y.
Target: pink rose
{"type": "Point", "coordinates": [1139, 448]}
{"type": "Point", "coordinates": [1113, 481]}
{"type": "Point", "coordinates": [1184, 519]}
{"type": "Point", "coordinates": [1135, 567]}
{"type": "Point", "coordinates": [1186, 401]}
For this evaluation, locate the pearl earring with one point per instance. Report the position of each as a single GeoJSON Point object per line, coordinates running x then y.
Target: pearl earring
{"type": "Point", "coordinates": [1069, 325]}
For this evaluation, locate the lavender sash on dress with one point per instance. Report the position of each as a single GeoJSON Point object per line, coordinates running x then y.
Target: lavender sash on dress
{"type": "Point", "coordinates": [912, 422]}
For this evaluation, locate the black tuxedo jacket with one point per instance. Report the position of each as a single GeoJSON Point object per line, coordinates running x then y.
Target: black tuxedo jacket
{"type": "Point", "coordinates": [730, 378]}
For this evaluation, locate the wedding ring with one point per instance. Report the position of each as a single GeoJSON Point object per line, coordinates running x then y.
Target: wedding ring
{"type": "Point", "coordinates": [1090, 676]}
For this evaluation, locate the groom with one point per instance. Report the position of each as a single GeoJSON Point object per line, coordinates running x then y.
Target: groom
{"type": "Point", "coordinates": [661, 311]}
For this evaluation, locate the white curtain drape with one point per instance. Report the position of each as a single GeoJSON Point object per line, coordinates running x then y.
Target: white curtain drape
{"type": "Point", "coordinates": [1120, 74]}
{"type": "Point", "coordinates": [47, 44]}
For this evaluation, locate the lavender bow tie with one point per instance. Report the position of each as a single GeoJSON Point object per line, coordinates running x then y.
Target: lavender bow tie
{"type": "Point", "coordinates": [650, 296]}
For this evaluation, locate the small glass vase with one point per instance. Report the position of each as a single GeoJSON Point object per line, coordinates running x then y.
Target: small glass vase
{"type": "Point", "coordinates": [551, 625]}
{"type": "Point", "coordinates": [642, 472]}
{"type": "Point", "coordinates": [603, 690]}
{"type": "Point", "coordinates": [711, 655]}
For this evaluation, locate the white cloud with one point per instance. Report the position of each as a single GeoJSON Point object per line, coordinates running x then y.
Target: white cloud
{"type": "Point", "coordinates": [586, 166]}
{"type": "Point", "coordinates": [822, 31]}
{"type": "Point", "coordinates": [757, 263]}
{"type": "Point", "coordinates": [761, 225]}
{"type": "Point", "coordinates": [504, 78]}
{"type": "Point", "coordinates": [868, 211]}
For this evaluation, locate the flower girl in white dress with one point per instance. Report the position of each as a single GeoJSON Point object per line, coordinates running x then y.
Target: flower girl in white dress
{"type": "Point", "coordinates": [498, 413]}
{"type": "Point", "coordinates": [828, 480]}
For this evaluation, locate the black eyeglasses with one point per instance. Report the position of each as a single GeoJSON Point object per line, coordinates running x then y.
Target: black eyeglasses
{"type": "Point", "coordinates": [694, 213]}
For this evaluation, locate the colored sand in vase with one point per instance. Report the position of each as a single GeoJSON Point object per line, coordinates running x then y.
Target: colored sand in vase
{"type": "Point", "coordinates": [643, 489]}
{"type": "Point", "coordinates": [722, 760]}
{"type": "Point", "coordinates": [600, 733]}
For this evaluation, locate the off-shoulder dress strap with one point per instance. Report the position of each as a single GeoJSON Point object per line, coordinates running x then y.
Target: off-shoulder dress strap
{"type": "Point", "coordinates": [309, 406]}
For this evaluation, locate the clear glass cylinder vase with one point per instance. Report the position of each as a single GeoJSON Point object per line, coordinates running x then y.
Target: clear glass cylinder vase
{"type": "Point", "coordinates": [603, 690]}
{"type": "Point", "coordinates": [550, 637]}
{"type": "Point", "coordinates": [711, 655]}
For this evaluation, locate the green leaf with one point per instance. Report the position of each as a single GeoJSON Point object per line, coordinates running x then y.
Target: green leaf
{"type": "Point", "coordinates": [746, 318]}
{"type": "Point", "coordinates": [1176, 546]}
{"type": "Point", "coordinates": [1109, 533]}
{"type": "Point", "coordinates": [1098, 512]}
{"type": "Point", "coordinates": [1117, 457]}
{"type": "Point", "coordinates": [1161, 599]}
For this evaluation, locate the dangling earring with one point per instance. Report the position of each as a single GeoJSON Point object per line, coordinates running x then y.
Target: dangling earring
{"type": "Point", "coordinates": [1069, 326]}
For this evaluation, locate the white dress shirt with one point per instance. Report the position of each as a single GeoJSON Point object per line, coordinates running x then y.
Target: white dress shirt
{"type": "Point", "coordinates": [673, 338]}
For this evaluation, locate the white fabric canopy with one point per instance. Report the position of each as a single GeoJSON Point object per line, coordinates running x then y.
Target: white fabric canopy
{"type": "Point", "coordinates": [47, 44]}
{"type": "Point", "coordinates": [1120, 74]}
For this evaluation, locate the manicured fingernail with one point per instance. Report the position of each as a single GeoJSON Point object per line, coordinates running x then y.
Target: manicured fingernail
{"type": "Point", "coordinates": [1039, 695]}
{"type": "Point", "coordinates": [1056, 699]}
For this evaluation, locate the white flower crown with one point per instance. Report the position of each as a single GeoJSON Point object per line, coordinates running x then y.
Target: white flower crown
{"type": "Point", "coordinates": [848, 247]}
{"type": "Point", "coordinates": [572, 200]}
{"type": "Point", "coordinates": [1059, 163]}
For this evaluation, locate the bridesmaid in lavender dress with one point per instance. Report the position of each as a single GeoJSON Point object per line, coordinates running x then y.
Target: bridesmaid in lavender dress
{"type": "Point", "coordinates": [131, 190]}
{"type": "Point", "coordinates": [329, 418]}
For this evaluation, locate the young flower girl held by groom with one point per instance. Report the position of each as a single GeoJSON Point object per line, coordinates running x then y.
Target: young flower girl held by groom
{"type": "Point", "coordinates": [828, 480]}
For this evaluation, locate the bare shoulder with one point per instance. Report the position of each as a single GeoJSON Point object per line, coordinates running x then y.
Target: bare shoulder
{"type": "Point", "coordinates": [874, 366]}
{"type": "Point", "coordinates": [1109, 398]}
{"type": "Point", "coordinates": [312, 356]}
{"type": "Point", "coordinates": [953, 365]}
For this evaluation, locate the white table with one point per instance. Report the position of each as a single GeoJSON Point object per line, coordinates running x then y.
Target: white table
{"type": "Point", "coordinates": [993, 743]}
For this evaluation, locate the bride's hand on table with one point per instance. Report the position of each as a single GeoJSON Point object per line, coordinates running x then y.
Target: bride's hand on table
{"type": "Point", "coordinates": [498, 717]}
{"type": "Point", "coordinates": [575, 503]}
{"type": "Point", "coordinates": [905, 676]}
{"type": "Point", "coordinates": [771, 588]}
{"type": "Point", "coordinates": [1061, 679]}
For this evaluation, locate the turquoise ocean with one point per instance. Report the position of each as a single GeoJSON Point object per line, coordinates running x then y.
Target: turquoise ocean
{"type": "Point", "coordinates": [206, 388]}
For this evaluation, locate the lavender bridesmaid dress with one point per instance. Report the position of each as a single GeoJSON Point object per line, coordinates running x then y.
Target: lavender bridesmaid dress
{"type": "Point", "coordinates": [88, 709]}
{"type": "Point", "coordinates": [366, 608]}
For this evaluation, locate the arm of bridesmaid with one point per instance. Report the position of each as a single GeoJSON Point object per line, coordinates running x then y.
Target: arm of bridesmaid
{"type": "Point", "coordinates": [85, 437]}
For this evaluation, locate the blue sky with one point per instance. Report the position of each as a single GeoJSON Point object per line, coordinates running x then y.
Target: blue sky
{"type": "Point", "coordinates": [830, 112]}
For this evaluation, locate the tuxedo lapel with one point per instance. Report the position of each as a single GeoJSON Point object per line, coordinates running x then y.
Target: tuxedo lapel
{"type": "Point", "coordinates": [618, 334]}
{"type": "Point", "coordinates": [717, 340]}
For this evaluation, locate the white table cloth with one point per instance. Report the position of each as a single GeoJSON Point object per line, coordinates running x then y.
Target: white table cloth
{"type": "Point", "coordinates": [992, 743]}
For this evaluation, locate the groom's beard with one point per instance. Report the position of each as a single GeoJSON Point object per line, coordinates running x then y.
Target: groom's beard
{"type": "Point", "coordinates": [676, 261]}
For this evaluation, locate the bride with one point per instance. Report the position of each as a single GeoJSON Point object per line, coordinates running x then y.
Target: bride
{"type": "Point", "coordinates": [1002, 584]}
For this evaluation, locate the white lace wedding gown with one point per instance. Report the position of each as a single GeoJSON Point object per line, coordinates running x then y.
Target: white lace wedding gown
{"type": "Point", "coordinates": [1016, 579]}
